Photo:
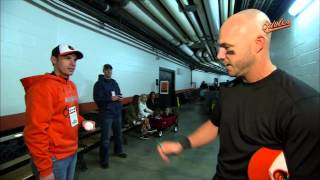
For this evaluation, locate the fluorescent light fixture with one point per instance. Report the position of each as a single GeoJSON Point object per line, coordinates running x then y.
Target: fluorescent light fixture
{"type": "Point", "coordinates": [298, 6]}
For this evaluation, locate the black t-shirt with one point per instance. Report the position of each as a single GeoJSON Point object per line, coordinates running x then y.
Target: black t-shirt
{"type": "Point", "coordinates": [279, 112]}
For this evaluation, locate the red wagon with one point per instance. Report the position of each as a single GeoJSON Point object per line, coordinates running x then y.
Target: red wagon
{"type": "Point", "coordinates": [164, 122]}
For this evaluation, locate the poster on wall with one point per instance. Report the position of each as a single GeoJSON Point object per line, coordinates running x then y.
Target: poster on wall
{"type": "Point", "coordinates": [164, 87]}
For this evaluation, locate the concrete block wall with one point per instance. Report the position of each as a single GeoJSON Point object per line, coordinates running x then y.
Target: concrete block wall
{"type": "Point", "coordinates": [296, 49]}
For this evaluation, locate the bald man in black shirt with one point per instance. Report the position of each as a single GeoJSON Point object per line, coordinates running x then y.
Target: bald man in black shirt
{"type": "Point", "coordinates": [265, 107]}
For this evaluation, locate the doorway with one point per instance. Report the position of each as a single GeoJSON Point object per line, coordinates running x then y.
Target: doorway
{"type": "Point", "coordinates": [166, 88]}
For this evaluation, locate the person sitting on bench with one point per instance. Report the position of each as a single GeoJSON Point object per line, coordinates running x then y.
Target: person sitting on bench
{"type": "Point", "coordinates": [144, 113]}
{"type": "Point", "coordinates": [131, 115]}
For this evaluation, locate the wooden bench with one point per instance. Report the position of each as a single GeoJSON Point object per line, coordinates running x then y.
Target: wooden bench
{"type": "Point", "coordinates": [19, 168]}
{"type": "Point", "coordinates": [87, 141]}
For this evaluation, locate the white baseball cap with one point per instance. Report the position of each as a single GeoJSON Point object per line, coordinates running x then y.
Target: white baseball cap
{"type": "Point", "coordinates": [64, 49]}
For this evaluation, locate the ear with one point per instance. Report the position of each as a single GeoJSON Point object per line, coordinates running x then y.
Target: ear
{"type": "Point", "coordinates": [53, 60]}
{"type": "Point", "coordinates": [260, 43]}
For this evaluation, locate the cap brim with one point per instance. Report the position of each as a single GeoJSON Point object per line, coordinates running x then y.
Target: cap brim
{"type": "Point", "coordinates": [77, 53]}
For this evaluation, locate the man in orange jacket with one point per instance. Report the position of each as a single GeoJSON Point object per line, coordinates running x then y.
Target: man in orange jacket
{"type": "Point", "coordinates": [52, 117]}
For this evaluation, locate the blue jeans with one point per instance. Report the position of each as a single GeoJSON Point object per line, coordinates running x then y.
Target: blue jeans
{"type": "Point", "coordinates": [108, 122]}
{"type": "Point", "coordinates": [63, 169]}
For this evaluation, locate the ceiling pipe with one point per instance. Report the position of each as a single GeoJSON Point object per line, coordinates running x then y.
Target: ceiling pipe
{"type": "Point", "coordinates": [199, 53]}
{"type": "Point", "coordinates": [138, 12]}
{"type": "Point", "coordinates": [212, 10]}
{"type": "Point", "coordinates": [217, 64]}
{"type": "Point", "coordinates": [256, 4]}
{"type": "Point", "coordinates": [231, 12]}
{"type": "Point", "coordinates": [208, 49]}
{"type": "Point", "coordinates": [243, 4]}
{"type": "Point", "coordinates": [203, 20]}
{"type": "Point", "coordinates": [195, 58]}
{"type": "Point", "coordinates": [196, 25]}
{"type": "Point", "coordinates": [102, 6]}
{"type": "Point", "coordinates": [132, 8]}
{"type": "Point", "coordinates": [247, 2]}
{"type": "Point", "coordinates": [264, 4]}
{"type": "Point", "coordinates": [267, 6]}
{"type": "Point", "coordinates": [175, 11]}
{"type": "Point", "coordinates": [189, 52]}
{"type": "Point", "coordinates": [192, 18]}
{"type": "Point", "coordinates": [206, 56]}
{"type": "Point", "coordinates": [203, 60]}
{"type": "Point", "coordinates": [155, 8]}
{"type": "Point", "coordinates": [99, 16]}
{"type": "Point", "coordinates": [186, 49]}
{"type": "Point", "coordinates": [209, 60]}
{"type": "Point", "coordinates": [208, 38]}
{"type": "Point", "coordinates": [224, 10]}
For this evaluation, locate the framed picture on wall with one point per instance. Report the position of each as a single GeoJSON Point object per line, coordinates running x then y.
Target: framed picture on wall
{"type": "Point", "coordinates": [164, 87]}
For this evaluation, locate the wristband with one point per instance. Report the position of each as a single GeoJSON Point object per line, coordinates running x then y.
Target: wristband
{"type": "Point", "coordinates": [185, 143]}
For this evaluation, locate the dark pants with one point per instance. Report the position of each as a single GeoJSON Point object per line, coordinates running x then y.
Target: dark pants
{"type": "Point", "coordinates": [108, 122]}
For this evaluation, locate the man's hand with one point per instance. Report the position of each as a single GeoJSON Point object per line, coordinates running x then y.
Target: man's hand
{"type": "Point", "coordinates": [167, 148]}
{"type": "Point", "coordinates": [49, 177]}
{"type": "Point", "coordinates": [115, 98]}
{"type": "Point", "coordinates": [120, 97]}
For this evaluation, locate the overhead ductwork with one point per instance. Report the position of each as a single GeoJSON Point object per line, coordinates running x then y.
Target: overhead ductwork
{"type": "Point", "coordinates": [133, 8]}
{"type": "Point", "coordinates": [212, 9]}
{"type": "Point", "coordinates": [189, 52]}
{"type": "Point", "coordinates": [199, 53]}
{"type": "Point", "coordinates": [203, 19]}
{"type": "Point", "coordinates": [195, 58]}
{"type": "Point", "coordinates": [138, 12]}
{"type": "Point", "coordinates": [179, 16]}
{"type": "Point", "coordinates": [186, 49]}
{"type": "Point", "coordinates": [196, 25]}
{"type": "Point", "coordinates": [192, 18]}
{"type": "Point", "coordinates": [155, 8]}
{"type": "Point", "coordinates": [231, 7]}
{"type": "Point", "coordinates": [224, 10]}
{"type": "Point", "coordinates": [177, 27]}
{"type": "Point", "coordinates": [206, 56]}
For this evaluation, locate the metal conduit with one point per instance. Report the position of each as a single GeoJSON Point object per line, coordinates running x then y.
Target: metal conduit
{"type": "Point", "coordinates": [173, 8]}
{"type": "Point", "coordinates": [132, 8]}
{"type": "Point", "coordinates": [155, 8]}
{"type": "Point", "coordinates": [97, 24]}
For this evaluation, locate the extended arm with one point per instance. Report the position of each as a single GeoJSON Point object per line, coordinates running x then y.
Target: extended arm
{"type": "Point", "coordinates": [202, 136]}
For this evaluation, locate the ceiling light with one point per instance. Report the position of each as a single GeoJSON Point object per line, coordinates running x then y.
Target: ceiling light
{"type": "Point", "coordinates": [298, 6]}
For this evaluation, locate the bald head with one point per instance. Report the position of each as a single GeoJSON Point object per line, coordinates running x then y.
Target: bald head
{"type": "Point", "coordinates": [247, 23]}
{"type": "Point", "coordinates": [244, 46]}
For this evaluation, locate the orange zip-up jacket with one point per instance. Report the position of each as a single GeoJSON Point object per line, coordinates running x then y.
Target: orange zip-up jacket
{"type": "Point", "coordinates": [48, 132]}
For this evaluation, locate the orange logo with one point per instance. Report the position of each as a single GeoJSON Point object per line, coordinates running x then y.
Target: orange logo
{"type": "Point", "coordinates": [276, 25]}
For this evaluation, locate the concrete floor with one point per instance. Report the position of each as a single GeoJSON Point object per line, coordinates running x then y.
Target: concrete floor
{"type": "Point", "coordinates": [143, 161]}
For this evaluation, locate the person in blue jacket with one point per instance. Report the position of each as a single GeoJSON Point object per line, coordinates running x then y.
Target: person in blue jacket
{"type": "Point", "coordinates": [107, 96]}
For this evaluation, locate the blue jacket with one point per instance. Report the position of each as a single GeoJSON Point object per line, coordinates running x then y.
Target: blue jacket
{"type": "Point", "coordinates": [102, 96]}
